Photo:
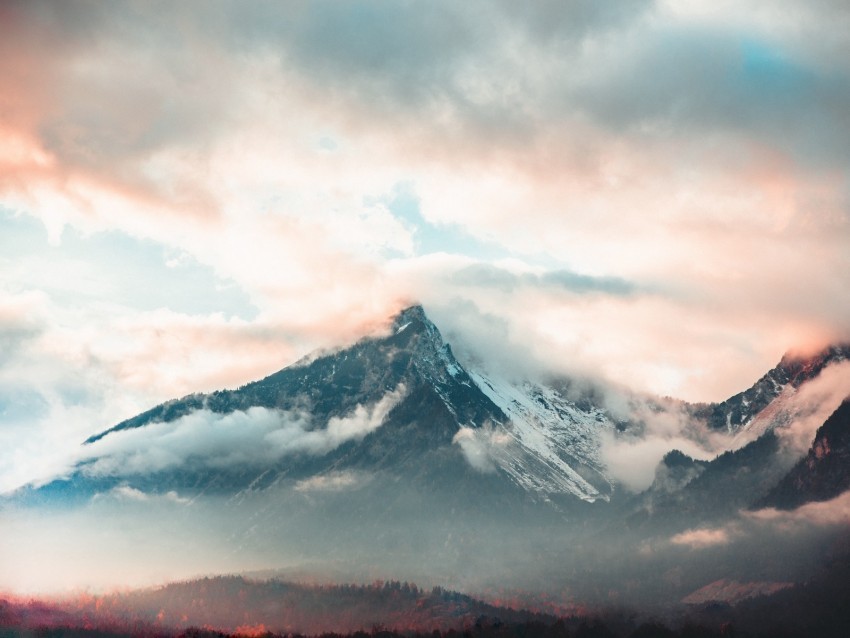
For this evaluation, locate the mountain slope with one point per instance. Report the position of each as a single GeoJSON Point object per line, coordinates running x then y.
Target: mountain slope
{"type": "Point", "coordinates": [824, 472]}
{"type": "Point", "coordinates": [688, 492]}
{"type": "Point", "coordinates": [391, 459]}
{"type": "Point", "coordinates": [765, 426]}
{"type": "Point", "coordinates": [738, 413]}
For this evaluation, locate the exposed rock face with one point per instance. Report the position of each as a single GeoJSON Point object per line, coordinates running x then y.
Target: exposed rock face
{"type": "Point", "coordinates": [824, 473]}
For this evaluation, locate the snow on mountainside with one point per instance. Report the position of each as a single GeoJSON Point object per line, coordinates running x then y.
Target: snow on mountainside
{"type": "Point", "coordinates": [557, 444]}
{"type": "Point", "coordinates": [812, 389]}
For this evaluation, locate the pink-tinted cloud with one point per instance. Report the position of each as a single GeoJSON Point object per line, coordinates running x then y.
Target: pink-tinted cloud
{"type": "Point", "coordinates": [831, 513]}
{"type": "Point", "coordinates": [702, 538]}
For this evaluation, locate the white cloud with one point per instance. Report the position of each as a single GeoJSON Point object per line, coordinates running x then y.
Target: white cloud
{"type": "Point", "coordinates": [812, 405]}
{"type": "Point", "coordinates": [332, 482]}
{"type": "Point", "coordinates": [482, 446]}
{"type": "Point", "coordinates": [632, 456]}
{"type": "Point", "coordinates": [209, 439]}
{"type": "Point", "coordinates": [758, 525]}
{"type": "Point", "coordinates": [131, 494]}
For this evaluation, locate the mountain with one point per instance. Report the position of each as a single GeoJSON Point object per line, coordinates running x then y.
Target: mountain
{"type": "Point", "coordinates": [387, 458]}
{"type": "Point", "coordinates": [751, 408]}
{"type": "Point", "coordinates": [824, 472]}
{"type": "Point", "coordinates": [401, 407]}
{"type": "Point", "coordinates": [399, 402]}
{"type": "Point", "coordinates": [762, 424]}
{"type": "Point", "coordinates": [687, 492]}
{"type": "Point", "coordinates": [390, 458]}
{"type": "Point", "coordinates": [761, 429]}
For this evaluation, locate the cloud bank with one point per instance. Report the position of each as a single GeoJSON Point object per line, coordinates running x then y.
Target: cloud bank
{"type": "Point", "coordinates": [254, 437]}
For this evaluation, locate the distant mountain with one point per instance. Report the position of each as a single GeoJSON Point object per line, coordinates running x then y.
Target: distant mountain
{"type": "Point", "coordinates": [687, 492]}
{"type": "Point", "coordinates": [824, 472]}
{"type": "Point", "coordinates": [740, 411]}
{"type": "Point", "coordinates": [758, 457]}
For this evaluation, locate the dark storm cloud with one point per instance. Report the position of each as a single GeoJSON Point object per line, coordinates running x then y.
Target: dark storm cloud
{"type": "Point", "coordinates": [701, 81]}
{"type": "Point", "coordinates": [169, 73]}
{"type": "Point", "coordinates": [125, 79]}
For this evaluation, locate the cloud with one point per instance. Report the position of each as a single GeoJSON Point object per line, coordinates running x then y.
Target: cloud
{"type": "Point", "coordinates": [131, 494]}
{"type": "Point", "coordinates": [633, 461]}
{"type": "Point", "coordinates": [632, 456]}
{"type": "Point", "coordinates": [832, 513]}
{"type": "Point", "coordinates": [21, 320]}
{"type": "Point", "coordinates": [332, 482]}
{"type": "Point", "coordinates": [208, 439]}
{"type": "Point", "coordinates": [702, 538]}
{"type": "Point", "coordinates": [482, 446]}
{"type": "Point", "coordinates": [813, 404]}
{"type": "Point", "coordinates": [489, 275]}
{"type": "Point", "coordinates": [771, 525]}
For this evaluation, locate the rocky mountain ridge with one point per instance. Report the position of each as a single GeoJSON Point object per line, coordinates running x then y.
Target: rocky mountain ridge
{"type": "Point", "coordinates": [401, 402]}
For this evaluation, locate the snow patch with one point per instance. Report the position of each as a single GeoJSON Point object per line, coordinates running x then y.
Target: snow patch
{"type": "Point", "coordinates": [549, 435]}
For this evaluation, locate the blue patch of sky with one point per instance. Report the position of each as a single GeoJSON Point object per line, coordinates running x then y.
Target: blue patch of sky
{"type": "Point", "coordinates": [767, 68]}
{"type": "Point", "coordinates": [18, 404]}
{"type": "Point", "coordinates": [112, 267]}
{"type": "Point", "coordinates": [430, 238]}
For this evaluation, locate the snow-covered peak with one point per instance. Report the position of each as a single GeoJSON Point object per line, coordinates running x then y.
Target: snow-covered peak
{"type": "Point", "coordinates": [412, 330]}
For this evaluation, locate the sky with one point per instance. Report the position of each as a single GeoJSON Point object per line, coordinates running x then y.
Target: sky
{"type": "Point", "coordinates": [192, 196]}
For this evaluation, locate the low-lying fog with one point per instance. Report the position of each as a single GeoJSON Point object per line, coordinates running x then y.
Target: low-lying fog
{"type": "Point", "coordinates": [348, 528]}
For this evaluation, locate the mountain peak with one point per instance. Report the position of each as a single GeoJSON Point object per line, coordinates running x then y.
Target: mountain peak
{"type": "Point", "coordinates": [799, 368]}
{"type": "Point", "coordinates": [677, 458]}
{"type": "Point", "coordinates": [412, 316]}
{"type": "Point", "coordinates": [416, 311]}
{"type": "Point", "coordinates": [792, 371]}
{"type": "Point", "coordinates": [414, 332]}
